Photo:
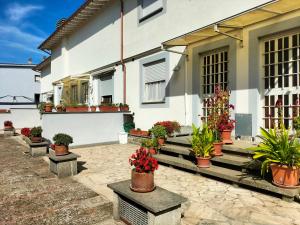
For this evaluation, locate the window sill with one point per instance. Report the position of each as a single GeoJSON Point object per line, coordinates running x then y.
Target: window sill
{"type": "Point", "coordinates": [154, 102]}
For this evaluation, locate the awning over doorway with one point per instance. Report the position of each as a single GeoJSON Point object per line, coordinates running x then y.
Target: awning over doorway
{"type": "Point", "coordinates": [79, 77]}
{"type": "Point", "coordinates": [235, 23]}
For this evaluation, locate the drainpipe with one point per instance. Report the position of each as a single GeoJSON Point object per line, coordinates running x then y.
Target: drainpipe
{"type": "Point", "coordinates": [122, 51]}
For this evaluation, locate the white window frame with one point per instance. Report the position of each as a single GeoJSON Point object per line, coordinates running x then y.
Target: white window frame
{"type": "Point", "coordinates": [289, 91]}
{"type": "Point", "coordinates": [205, 95]}
{"type": "Point", "coordinates": [161, 81]}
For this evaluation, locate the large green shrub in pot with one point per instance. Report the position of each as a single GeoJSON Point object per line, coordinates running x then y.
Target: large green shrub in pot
{"type": "Point", "coordinates": [202, 141]}
{"type": "Point", "coordinates": [36, 132]}
{"type": "Point", "coordinates": [62, 139]}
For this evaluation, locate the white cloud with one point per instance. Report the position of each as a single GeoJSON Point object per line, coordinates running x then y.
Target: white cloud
{"type": "Point", "coordinates": [19, 46]}
{"type": "Point", "coordinates": [17, 12]}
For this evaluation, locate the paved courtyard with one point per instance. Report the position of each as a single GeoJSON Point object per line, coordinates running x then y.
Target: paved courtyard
{"type": "Point", "coordinates": [210, 202]}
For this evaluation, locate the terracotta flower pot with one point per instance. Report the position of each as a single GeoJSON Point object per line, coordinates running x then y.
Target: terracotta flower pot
{"type": "Point", "coordinates": [152, 151]}
{"type": "Point", "coordinates": [284, 176]}
{"type": "Point", "coordinates": [161, 141]}
{"type": "Point", "coordinates": [48, 108]}
{"type": "Point", "coordinates": [226, 137]}
{"type": "Point", "coordinates": [61, 150]}
{"type": "Point", "coordinates": [77, 109]}
{"type": "Point", "coordinates": [203, 162]}
{"type": "Point", "coordinates": [218, 148]}
{"type": "Point", "coordinates": [142, 182]}
{"type": "Point", "coordinates": [107, 108]}
{"type": "Point", "coordinates": [124, 108]}
{"type": "Point", "coordinates": [36, 139]}
{"type": "Point", "coordinates": [93, 108]}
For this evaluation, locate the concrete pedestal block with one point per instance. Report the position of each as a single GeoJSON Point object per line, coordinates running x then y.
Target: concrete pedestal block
{"type": "Point", "coordinates": [38, 151]}
{"type": "Point", "coordinates": [63, 166]}
{"type": "Point", "coordinates": [8, 133]}
{"type": "Point", "coordinates": [159, 207]}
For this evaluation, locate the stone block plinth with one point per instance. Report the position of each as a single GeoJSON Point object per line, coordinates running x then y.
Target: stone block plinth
{"type": "Point", "coordinates": [9, 132]}
{"type": "Point", "coordinates": [158, 207]}
{"type": "Point", "coordinates": [63, 166]}
{"type": "Point", "coordinates": [38, 149]}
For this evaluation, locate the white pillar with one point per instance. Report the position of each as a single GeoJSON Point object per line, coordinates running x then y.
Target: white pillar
{"type": "Point", "coordinates": [57, 93]}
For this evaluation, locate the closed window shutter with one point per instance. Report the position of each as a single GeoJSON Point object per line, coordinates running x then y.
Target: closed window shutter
{"type": "Point", "coordinates": [155, 71]}
{"type": "Point", "coordinates": [150, 6]}
{"type": "Point", "coordinates": [106, 85]}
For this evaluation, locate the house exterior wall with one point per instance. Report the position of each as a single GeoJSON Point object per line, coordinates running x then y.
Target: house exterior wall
{"type": "Point", "coordinates": [97, 44]}
{"type": "Point", "coordinates": [46, 79]}
{"type": "Point", "coordinates": [17, 80]}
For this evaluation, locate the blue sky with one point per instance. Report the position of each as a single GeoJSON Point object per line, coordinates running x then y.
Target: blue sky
{"type": "Point", "coordinates": [25, 24]}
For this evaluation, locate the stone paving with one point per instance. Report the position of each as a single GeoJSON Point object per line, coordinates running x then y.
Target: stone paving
{"type": "Point", "coordinates": [210, 202]}
{"type": "Point", "coordinates": [31, 195]}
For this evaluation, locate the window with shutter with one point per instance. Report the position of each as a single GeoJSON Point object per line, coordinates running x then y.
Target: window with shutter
{"type": "Point", "coordinates": [150, 8]}
{"type": "Point", "coordinates": [154, 77]}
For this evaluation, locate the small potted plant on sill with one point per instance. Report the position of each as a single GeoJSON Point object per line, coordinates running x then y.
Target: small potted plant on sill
{"type": "Point", "coordinates": [61, 144]}
{"type": "Point", "coordinates": [48, 107]}
{"type": "Point", "coordinates": [8, 125]}
{"type": "Point", "coordinates": [74, 107]}
{"type": "Point", "coordinates": [25, 132]}
{"type": "Point", "coordinates": [108, 107]}
{"type": "Point", "coordinates": [171, 126]}
{"type": "Point", "coordinates": [151, 145]}
{"type": "Point", "coordinates": [60, 108]}
{"type": "Point", "coordinates": [93, 108]}
{"type": "Point", "coordinates": [123, 107]}
{"type": "Point", "coordinates": [160, 133]}
{"type": "Point", "coordinates": [36, 134]}
{"type": "Point", "coordinates": [142, 173]}
{"type": "Point", "coordinates": [202, 145]}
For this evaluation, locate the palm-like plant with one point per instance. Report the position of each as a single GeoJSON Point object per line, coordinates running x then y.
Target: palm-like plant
{"type": "Point", "coordinates": [202, 141]}
{"type": "Point", "coordinates": [276, 147]}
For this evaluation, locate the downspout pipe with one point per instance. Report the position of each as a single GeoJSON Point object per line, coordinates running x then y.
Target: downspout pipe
{"type": "Point", "coordinates": [122, 51]}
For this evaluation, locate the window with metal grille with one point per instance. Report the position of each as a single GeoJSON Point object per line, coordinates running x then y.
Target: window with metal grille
{"type": "Point", "coordinates": [154, 76]}
{"type": "Point", "coordinates": [84, 92]}
{"type": "Point", "coordinates": [281, 78]}
{"type": "Point", "coordinates": [74, 94]}
{"type": "Point", "coordinates": [214, 71]}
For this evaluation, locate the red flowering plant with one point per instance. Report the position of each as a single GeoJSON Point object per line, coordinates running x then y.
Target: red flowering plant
{"type": "Point", "coordinates": [8, 123]}
{"type": "Point", "coordinates": [25, 131]}
{"type": "Point", "coordinates": [143, 162]}
{"type": "Point", "coordinates": [219, 112]}
{"type": "Point", "coordinates": [170, 126]}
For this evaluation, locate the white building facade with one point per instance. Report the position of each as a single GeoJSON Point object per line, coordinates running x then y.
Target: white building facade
{"type": "Point", "coordinates": [163, 58]}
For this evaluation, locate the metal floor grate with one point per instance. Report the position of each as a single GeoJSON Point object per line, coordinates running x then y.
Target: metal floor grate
{"type": "Point", "coordinates": [131, 214]}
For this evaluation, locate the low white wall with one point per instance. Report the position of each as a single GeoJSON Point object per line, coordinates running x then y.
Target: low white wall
{"type": "Point", "coordinates": [22, 117]}
{"type": "Point", "coordinates": [85, 128]}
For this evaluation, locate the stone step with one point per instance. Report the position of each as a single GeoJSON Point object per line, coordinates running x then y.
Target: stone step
{"type": "Point", "coordinates": [237, 177]}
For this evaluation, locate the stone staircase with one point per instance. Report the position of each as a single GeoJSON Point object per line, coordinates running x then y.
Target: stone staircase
{"type": "Point", "coordinates": [235, 166]}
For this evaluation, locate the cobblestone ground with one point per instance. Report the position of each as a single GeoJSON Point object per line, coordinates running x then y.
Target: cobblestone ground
{"type": "Point", "coordinates": [209, 201]}
{"type": "Point", "coordinates": [31, 195]}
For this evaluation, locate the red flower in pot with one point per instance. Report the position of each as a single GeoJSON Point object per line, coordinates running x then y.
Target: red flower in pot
{"type": "Point", "coordinates": [142, 175]}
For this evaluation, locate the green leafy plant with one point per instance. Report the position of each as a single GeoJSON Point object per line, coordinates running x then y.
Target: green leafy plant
{"type": "Point", "coordinates": [36, 132]}
{"type": "Point", "coordinates": [202, 141]}
{"type": "Point", "coordinates": [149, 143]}
{"type": "Point", "coordinates": [62, 139]}
{"type": "Point", "coordinates": [277, 147]}
{"type": "Point", "coordinates": [128, 126]}
{"type": "Point", "coordinates": [296, 125]}
{"type": "Point", "coordinates": [159, 131]}
{"type": "Point", "coordinates": [123, 105]}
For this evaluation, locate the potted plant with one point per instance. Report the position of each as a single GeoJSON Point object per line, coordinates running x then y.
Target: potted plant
{"type": "Point", "coordinates": [25, 131]}
{"type": "Point", "coordinates": [108, 107]}
{"type": "Point", "coordinates": [93, 108]}
{"type": "Point", "coordinates": [202, 145]}
{"type": "Point", "coordinates": [8, 125]}
{"type": "Point", "coordinates": [160, 133]}
{"type": "Point", "coordinates": [62, 142]}
{"type": "Point", "coordinates": [36, 134]}
{"type": "Point", "coordinates": [282, 154]}
{"type": "Point", "coordinates": [151, 145]}
{"type": "Point", "coordinates": [128, 126]}
{"type": "Point", "coordinates": [60, 108]}
{"type": "Point", "coordinates": [123, 107]}
{"type": "Point", "coordinates": [48, 107]}
{"type": "Point", "coordinates": [139, 132]}
{"type": "Point", "coordinates": [171, 126]}
{"type": "Point", "coordinates": [74, 107]}
{"type": "Point", "coordinates": [142, 173]}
